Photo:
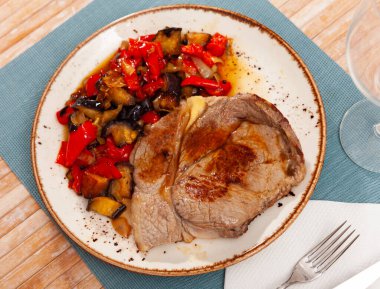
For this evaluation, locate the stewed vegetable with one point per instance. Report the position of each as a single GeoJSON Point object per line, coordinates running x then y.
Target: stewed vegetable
{"type": "Point", "coordinates": [121, 189]}
{"type": "Point", "coordinates": [144, 80]}
{"type": "Point", "coordinates": [106, 207]}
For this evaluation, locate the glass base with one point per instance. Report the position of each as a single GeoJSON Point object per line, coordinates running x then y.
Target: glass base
{"type": "Point", "coordinates": [359, 137]}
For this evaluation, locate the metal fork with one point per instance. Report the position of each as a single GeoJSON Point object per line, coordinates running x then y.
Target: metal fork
{"type": "Point", "coordinates": [322, 256]}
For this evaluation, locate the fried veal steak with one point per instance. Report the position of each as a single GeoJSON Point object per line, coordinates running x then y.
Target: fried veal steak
{"type": "Point", "coordinates": [209, 177]}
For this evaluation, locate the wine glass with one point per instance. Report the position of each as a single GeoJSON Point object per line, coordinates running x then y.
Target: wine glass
{"type": "Point", "coordinates": [360, 127]}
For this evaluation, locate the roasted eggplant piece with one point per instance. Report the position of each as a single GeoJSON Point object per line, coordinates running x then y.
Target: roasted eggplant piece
{"type": "Point", "coordinates": [119, 95]}
{"type": "Point", "coordinates": [106, 207]}
{"type": "Point", "coordinates": [188, 91]}
{"type": "Point", "coordinates": [89, 107]}
{"type": "Point", "coordinates": [122, 133]}
{"type": "Point", "coordinates": [71, 126]}
{"type": "Point", "coordinates": [173, 66]}
{"type": "Point", "coordinates": [134, 113]}
{"type": "Point", "coordinates": [197, 38]}
{"type": "Point", "coordinates": [77, 118]}
{"type": "Point", "coordinates": [99, 117]}
{"type": "Point", "coordinates": [121, 189]}
{"type": "Point", "coordinates": [93, 185]}
{"type": "Point", "coordinates": [113, 79]}
{"type": "Point", "coordinates": [80, 93]}
{"type": "Point", "coordinates": [89, 103]}
{"type": "Point", "coordinates": [123, 113]}
{"type": "Point", "coordinates": [147, 105]}
{"type": "Point", "coordinates": [170, 39]}
{"type": "Point", "coordinates": [172, 84]}
{"type": "Point", "coordinates": [166, 102]}
{"type": "Point", "coordinates": [90, 112]}
{"type": "Point", "coordinates": [110, 115]}
{"type": "Point", "coordinates": [121, 225]}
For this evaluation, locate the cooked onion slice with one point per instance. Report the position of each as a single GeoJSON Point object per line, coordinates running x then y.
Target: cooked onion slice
{"type": "Point", "coordinates": [203, 69]}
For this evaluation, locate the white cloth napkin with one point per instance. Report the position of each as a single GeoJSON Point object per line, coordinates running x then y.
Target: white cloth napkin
{"type": "Point", "coordinates": [272, 266]}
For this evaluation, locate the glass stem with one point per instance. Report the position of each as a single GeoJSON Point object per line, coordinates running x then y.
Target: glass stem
{"type": "Point", "coordinates": [376, 129]}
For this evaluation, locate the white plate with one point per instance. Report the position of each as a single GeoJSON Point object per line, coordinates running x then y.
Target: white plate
{"type": "Point", "coordinates": [276, 73]}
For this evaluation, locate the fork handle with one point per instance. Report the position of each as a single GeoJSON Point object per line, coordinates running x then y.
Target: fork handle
{"type": "Point", "coordinates": [286, 285]}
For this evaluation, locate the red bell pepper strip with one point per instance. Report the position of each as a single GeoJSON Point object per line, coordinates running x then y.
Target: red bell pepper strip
{"type": "Point", "coordinates": [70, 102]}
{"type": "Point", "coordinates": [91, 88]}
{"type": "Point", "coordinates": [130, 75]}
{"type": "Point", "coordinates": [105, 167]}
{"type": "Point", "coordinates": [148, 37]}
{"type": "Point", "coordinates": [150, 88]}
{"type": "Point", "coordinates": [134, 48]}
{"type": "Point", "coordinates": [63, 115]}
{"type": "Point", "coordinates": [189, 67]}
{"type": "Point", "coordinates": [118, 154]}
{"type": "Point", "coordinates": [100, 151]}
{"type": "Point", "coordinates": [76, 181]}
{"type": "Point", "coordinates": [61, 157]}
{"type": "Point", "coordinates": [198, 51]}
{"type": "Point", "coordinates": [85, 158]}
{"type": "Point", "coordinates": [213, 87]}
{"type": "Point", "coordinates": [110, 150]}
{"type": "Point", "coordinates": [140, 94]}
{"type": "Point", "coordinates": [150, 117]}
{"type": "Point", "coordinates": [114, 64]}
{"type": "Point", "coordinates": [223, 88]}
{"type": "Point", "coordinates": [78, 140]}
{"type": "Point", "coordinates": [131, 58]}
{"type": "Point", "coordinates": [217, 44]}
{"type": "Point", "coordinates": [154, 58]}
{"type": "Point", "coordinates": [123, 53]}
{"type": "Point", "coordinates": [133, 52]}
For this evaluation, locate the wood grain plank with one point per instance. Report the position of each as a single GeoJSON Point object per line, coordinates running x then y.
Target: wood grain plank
{"type": "Point", "coordinates": [7, 183]}
{"type": "Point", "coordinates": [49, 11]}
{"type": "Point", "coordinates": [18, 215]}
{"type": "Point", "coordinates": [34, 263]}
{"type": "Point", "coordinates": [16, 49]}
{"type": "Point", "coordinates": [90, 282]}
{"type": "Point", "coordinates": [71, 277]}
{"type": "Point", "coordinates": [27, 248]}
{"type": "Point", "coordinates": [334, 31]}
{"type": "Point", "coordinates": [342, 62]}
{"type": "Point", "coordinates": [53, 270]}
{"type": "Point", "coordinates": [12, 198]}
{"type": "Point", "coordinates": [279, 3]}
{"type": "Point", "coordinates": [329, 15]}
{"type": "Point", "coordinates": [2, 2]}
{"type": "Point", "coordinates": [9, 7]}
{"type": "Point", "coordinates": [22, 232]}
{"type": "Point", "coordinates": [293, 6]}
{"type": "Point", "coordinates": [311, 9]}
{"type": "Point", "coordinates": [4, 169]}
{"type": "Point", "coordinates": [337, 48]}
{"type": "Point", "coordinates": [11, 20]}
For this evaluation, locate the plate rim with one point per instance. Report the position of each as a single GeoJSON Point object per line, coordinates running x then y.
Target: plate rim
{"type": "Point", "coordinates": [236, 258]}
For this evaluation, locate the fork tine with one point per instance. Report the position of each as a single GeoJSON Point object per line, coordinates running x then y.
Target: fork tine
{"type": "Point", "coordinates": [328, 246]}
{"type": "Point", "coordinates": [312, 251]}
{"type": "Point", "coordinates": [322, 270]}
{"type": "Point", "coordinates": [332, 251]}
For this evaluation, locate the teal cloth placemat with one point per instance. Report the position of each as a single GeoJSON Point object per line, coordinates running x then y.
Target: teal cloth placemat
{"type": "Point", "coordinates": [24, 79]}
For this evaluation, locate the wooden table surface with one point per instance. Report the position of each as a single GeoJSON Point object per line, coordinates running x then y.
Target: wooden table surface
{"type": "Point", "coordinates": [33, 253]}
